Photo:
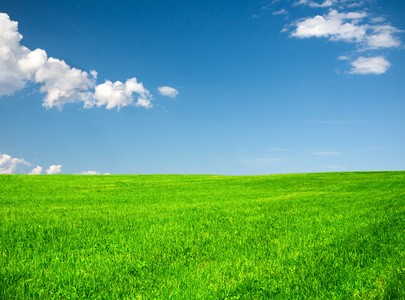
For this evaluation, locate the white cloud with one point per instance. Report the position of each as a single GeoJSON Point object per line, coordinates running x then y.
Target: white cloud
{"type": "Point", "coordinates": [60, 82]}
{"type": "Point", "coordinates": [383, 37]}
{"type": "Point", "coordinates": [118, 94]}
{"type": "Point", "coordinates": [92, 173]}
{"type": "Point", "coordinates": [370, 65]}
{"type": "Point", "coordinates": [378, 19]}
{"type": "Point", "coordinates": [356, 3]}
{"type": "Point", "coordinates": [326, 3]}
{"type": "Point", "coordinates": [330, 3]}
{"type": "Point", "coordinates": [17, 63]}
{"type": "Point", "coordinates": [343, 57]}
{"type": "Point", "coordinates": [330, 153]}
{"type": "Point", "coordinates": [89, 173]}
{"type": "Point", "coordinates": [8, 164]}
{"type": "Point", "coordinates": [54, 169]}
{"type": "Point", "coordinates": [63, 84]}
{"type": "Point", "coordinates": [333, 26]}
{"type": "Point", "coordinates": [345, 26]}
{"type": "Point", "coordinates": [280, 12]}
{"type": "Point", "coordinates": [168, 91]}
{"type": "Point", "coordinates": [352, 27]}
{"type": "Point", "coordinates": [36, 171]}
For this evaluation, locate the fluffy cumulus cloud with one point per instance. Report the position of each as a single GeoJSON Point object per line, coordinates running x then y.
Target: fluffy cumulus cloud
{"type": "Point", "coordinates": [63, 84]}
{"type": "Point", "coordinates": [12, 165]}
{"type": "Point", "coordinates": [168, 91]}
{"type": "Point", "coordinates": [36, 171]}
{"type": "Point", "coordinates": [370, 65]}
{"type": "Point", "coordinates": [352, 22]}
{"type": "Point", "coordinates": [336, 26]}
{"type": "Point", "coordinates": [118, 94]}
{"type": "Point", "coordinates": [60, 82]}
{"type": "Point", "coordinates": [54, 169]}
{"type": "Point", "coordinates": [17, 63]}
{"type": "Point", "coordinates": [9, 165]}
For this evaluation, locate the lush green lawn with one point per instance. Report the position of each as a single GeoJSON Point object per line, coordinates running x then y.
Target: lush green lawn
{"type": "Point", "coordinates": [304, 236]}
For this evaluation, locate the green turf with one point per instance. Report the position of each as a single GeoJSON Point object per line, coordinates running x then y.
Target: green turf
{"type": "Point", "coordinates": [303, 236]}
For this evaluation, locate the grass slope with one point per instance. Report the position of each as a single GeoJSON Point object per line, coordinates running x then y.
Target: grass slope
{"type": "Point", "coordinates": [303, 236]}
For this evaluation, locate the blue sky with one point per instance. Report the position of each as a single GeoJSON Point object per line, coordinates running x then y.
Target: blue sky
{"type": "Point", "coordinates": [201, 87]}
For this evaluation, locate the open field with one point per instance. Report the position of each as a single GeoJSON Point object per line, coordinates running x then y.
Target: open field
{"type": "Point", "coordinates": [302, 236]}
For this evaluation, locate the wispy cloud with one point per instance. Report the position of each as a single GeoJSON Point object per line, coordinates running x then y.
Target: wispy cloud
{"type": "Point", "coordinates": [327, 153]}
{"type": "Point", "coordinates": [326, 3]}
{"type": "Point", "coordinates": [280, 12]}
{"type": "Point", "coordinates": [335, 122]}
{"type": "Point", "coordinates": [89, 173]}
{"type": "Point", "coordinates": [258, 162]}
{"type": "Point", "coordinates": [335, 168]}
{"type": "Point", "coordinates": [168, 91]}
{"type": "Point", "coordinates": [60, 82]}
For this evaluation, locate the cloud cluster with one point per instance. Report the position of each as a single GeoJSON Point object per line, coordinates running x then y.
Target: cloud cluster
{"type": "Point", "coordinates": [60, 82]}
{"type": "Point", "coordinates": [346, 27]}
{"type": "Point", "coordinates": [10, 165]}
{"type": "Point", "coordinates": [364, 29]}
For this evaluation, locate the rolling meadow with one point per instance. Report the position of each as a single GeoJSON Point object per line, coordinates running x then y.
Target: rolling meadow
{"type": "Point", "coordinates": [294, 236]}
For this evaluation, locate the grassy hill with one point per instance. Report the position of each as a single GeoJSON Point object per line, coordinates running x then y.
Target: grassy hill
{"type": "Point", "coordinates": [301, 236]}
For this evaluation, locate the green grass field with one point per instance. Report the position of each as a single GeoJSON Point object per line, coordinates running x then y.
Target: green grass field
{"type": "Point", "coordinates": [302, 236]}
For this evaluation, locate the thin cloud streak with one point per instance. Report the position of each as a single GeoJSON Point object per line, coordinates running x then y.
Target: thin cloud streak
{"type": "Point", "coordinates": [168, 91]}
{"type": "Point", "coordinates": [327, 153]}
{"type": "Point", "coordinates": [333, 122]}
